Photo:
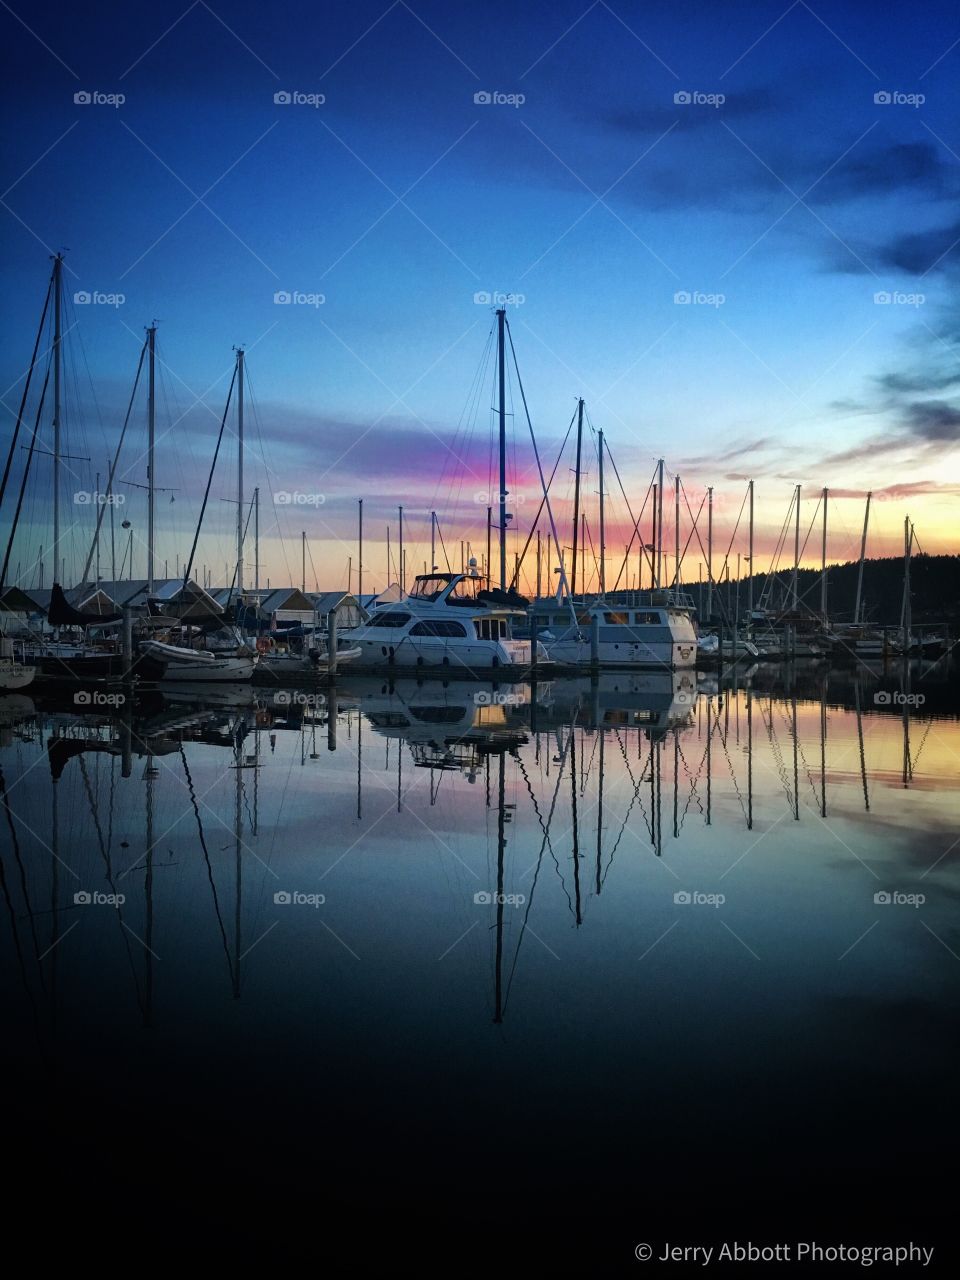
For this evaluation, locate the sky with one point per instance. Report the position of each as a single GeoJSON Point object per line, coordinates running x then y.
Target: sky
{"type": "Point", "coordinates": [732, 230]}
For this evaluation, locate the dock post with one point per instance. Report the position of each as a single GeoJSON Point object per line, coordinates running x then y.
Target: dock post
{"type": "Point", "coordinates": [127, 642]}
{"type": "Point", "coordinates": [533, 645]}
{"type": "Point", "coordinates": [594, 643]}
{"type": "Point", "coordinates": [332, 642]}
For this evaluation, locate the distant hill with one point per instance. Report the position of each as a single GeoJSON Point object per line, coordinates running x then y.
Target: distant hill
{"type": "Point", "coordinates": [934, 582]}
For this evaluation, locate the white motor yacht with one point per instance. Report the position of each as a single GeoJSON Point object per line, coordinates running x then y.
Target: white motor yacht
{"type": "Point", "coordinates": [447, 620]}
{"type": "Point", "coordinates": [635, 629]}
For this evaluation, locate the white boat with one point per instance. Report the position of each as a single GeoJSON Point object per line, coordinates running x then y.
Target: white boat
{"type": "Point", "coordinates": [180, 664]}
{"type": "Point", "coordinates": [446, 620]}
{"type": "Point", "coordinates": [14, 674]}
{"type": "Point", "coordinates": [634, 629]}
{"type": "Point", "coordinates": [280, 663]}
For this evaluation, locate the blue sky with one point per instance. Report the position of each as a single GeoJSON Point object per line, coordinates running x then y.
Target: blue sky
{"type": "Point", "coordinates": [782, 199]}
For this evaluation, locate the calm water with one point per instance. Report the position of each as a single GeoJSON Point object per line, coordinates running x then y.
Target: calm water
{"type": "Point", "coordinates": [443, 950]}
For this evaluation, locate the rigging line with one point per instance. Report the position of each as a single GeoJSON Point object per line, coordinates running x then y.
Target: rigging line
{"type": "Point", "coordinates": [15, 845]}
{"type": "Point", "coordinates": [636, 523]}
{"type": "Point", "coordinates": [206, 858]}
{"type": "Point", "coordinates": [101, 506]}
{"type": "Point", "coordinates": [26, 391]}
{"type": "Point", "coordinates": [543, 845]}
{"type": "Point", "coordinates": [563, 575]}
{"type": "Point", "coordinates": [536, 521]}
{"type": "Point", "coordinates": [23, 486]}
{"type": "Point", "coordinates": [15, 933]}
{"type": "Point", "coordinates": [206, 494]}
{"type": "Point", "coordinates": [95, 814]}
{"type": "Point", "coordinates": [263, 457]}
{"type": "Point", "coordinates": [734, 534]}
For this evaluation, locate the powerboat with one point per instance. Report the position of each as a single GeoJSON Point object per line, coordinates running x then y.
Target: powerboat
{"type": "Point", "coordinates": [446, 621]}
{"type": "Point", "coordinates": [634, 629]}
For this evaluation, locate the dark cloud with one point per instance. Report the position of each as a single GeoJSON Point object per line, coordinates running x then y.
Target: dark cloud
{"type": "Point", "coordinates": [920, 252]}
{"type": "Point", "coordinates": [916, 166]}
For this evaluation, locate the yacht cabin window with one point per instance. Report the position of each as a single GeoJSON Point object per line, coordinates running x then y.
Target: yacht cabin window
{"type": "Point", "coordinates": [389, 619]}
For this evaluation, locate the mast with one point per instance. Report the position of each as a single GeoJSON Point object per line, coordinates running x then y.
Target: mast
{"type": "Point", "coordinates": [576, 498]}
{"type": "Point", "coordinates": [603, 575]}
{"type": "Point", "coordinates": [660, 523]}
{"type": "Point", "coordinates": [502, 496]}
{"type": "Point", "coordinates": [151, 442]}
{"type": "Point", "coordinates": [388, 555]}
{"type": "Point", "coordinates": [402, 565]}
{"type": "Point", "coordinates": [538, 564]}
{"type": "Point", "coordinates": [750, 586]}
{"type": "Point", "coordinates": [863, 552]}
{"type": "Point", "coordinates": [823, 560]}
{"type": "Point", "coordinates": [907, 611]}
{"type": "Point", "coordinates": [709, 553]}
{"type": "Point", "coordinates": [489, 565]}
{"type": "Point", "coordinates": [256, 540]}
{"type": "Point", "coordinates": [303, 561]}
{"type": "Point", "coordinates": [433, 541]}
{"type": "Point", "coordinates": [57, 376]}
{"type": "Point", "coordinates": [796, 552]}
{"type": "Point", "coordinates": [360, 550]}
{"type": "Point", "coordinates": [96, 536]}
{"type": "Point", "coordinates": [676, 533]}
{"type": "Point", "coordinates": [239, 469]}
{"type": "Point", "coordinates": [654, 543]}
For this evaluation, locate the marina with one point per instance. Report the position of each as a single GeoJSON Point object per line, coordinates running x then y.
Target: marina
{"type": "Point", "coordinates": [480, 636]}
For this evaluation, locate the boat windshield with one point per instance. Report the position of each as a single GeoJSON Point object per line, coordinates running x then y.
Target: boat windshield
{"type": "Point", "coordinates": [431, 588]}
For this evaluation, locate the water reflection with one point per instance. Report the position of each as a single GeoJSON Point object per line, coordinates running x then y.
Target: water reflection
{"type": "Point", "coordinates": [172, 845]}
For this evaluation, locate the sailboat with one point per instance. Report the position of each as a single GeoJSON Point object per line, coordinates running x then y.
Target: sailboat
{"type": "Point", "coordinates": [222, 655]}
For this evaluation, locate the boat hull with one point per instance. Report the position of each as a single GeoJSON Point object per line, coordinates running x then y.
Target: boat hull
{"type": "Point", "coordinates": [15, 675]}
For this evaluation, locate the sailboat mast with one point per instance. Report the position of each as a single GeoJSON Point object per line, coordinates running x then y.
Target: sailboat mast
{"type": "Point", "coordinates": [400, 553]}
{"type": "Point", "coordinates": [710, 552]}
{"type": "Point", "coordinates": [256, 539]}
{"type": "Point", "coordinates": [750, 582]}
{"type": "Point", "coordinates": [151, 442]}
{"type": "Point", "coordinates": [863, 552]}
{"type": "Point", "coordinates": [239, 469]}
{"type": "Point", "coordinates": [660, 522]}
{"type": "Point", "coordinates": [823, 560]}
{"type": "Point", "coordinates": [676, 532]}
{"type": "Point", "coordinates": [576, 498]}
{"type": "Point", "coordinates": [57, 370]}
{"type": "Point", "coordinates": [907, 610]}
{"type": "Point", "coordinates": [603, 575]}
{"type": "Point", "coordinates": [502, 495]}
{"type": "Point", "coordinates": [303, 560]}
{"type": "Point", "coordinates": [796, 552]}
{"type": "Point", "coordinates": [360, 549]}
